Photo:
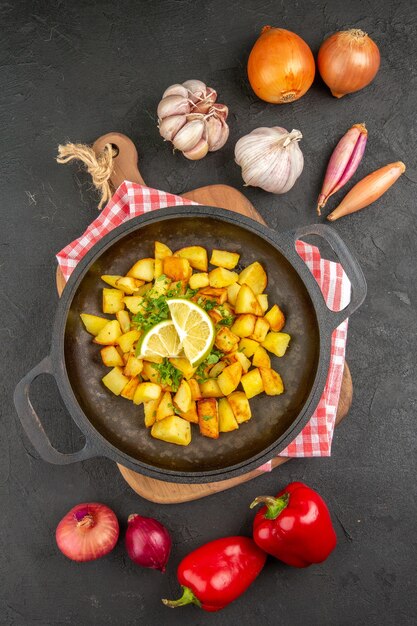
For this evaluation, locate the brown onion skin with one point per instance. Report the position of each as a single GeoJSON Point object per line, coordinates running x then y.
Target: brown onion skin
{"type": "Point", "coordinates": [348, 61]}
{"type": "Point", "coordinates": [87, 532]}
{"type": "Point", "coordinates": [281, 66]}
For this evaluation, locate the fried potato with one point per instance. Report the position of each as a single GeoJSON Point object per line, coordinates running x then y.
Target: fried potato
{"type": "Point", "coordinates": [127, 284]}
{"type": "Point", "coordinates": [123, 318]}
{"type": "Point", "coordinates": [240, 406]}
{"type": "Point", "coordinates": [158, 269]}
{"type": "Point", "coordinates": [134, 303]}
{"type": "Point", "coordinates": [226, 340]}
{"type": "Point", "coordinates": [261, 330]}
{"type": "Point", "coordinates": [197, 281]}
{"type": "Point", "coordinates": [111, 357]}
{"type": "Point", "coordinates": [161, 250]}
{"type": "Point", "coordinates": [247, 302]}
{"type": "Point", "coordinates": [129, 390]}
{"type": "Point", "coordinates": [133, 366]}
{"type": "Point", "coordinates": [232, 292]}
{"type": "Point", "coordinates": [112, 300]}
{"type": "Point", "coordinates": [177, 268]}
{"type": "Point", "coordinates": [230, 377]}
{"type": "Point", "coordinates": [150, 408]}
{"type": "Point", "coordinates": [184, 366]}
{"type": "Point", "coordinates": [93, 323]}
{"type": "Point", "coordinates": [183, 397]}
{"type": "Point", "coordinates": [210, 389]}
{"type": "Point", "coordinates": [244, 325]}
{"type": "Point", "coordinates": [221, 277]}
{"type": "Point", "coordinates": [111, 279]}
{"type": "Point", "coordinates": [261, 358]}
{"type": "Point", "coordinates": [276, 318]}
{"type": "Point", "coordinates": [222, 258]}
{"type": "Point", "coordinates": [127, 340]}
{"type": "Point", "coordinates": [277, 343]}
{"type": "Point", "coordinates": [272, 381]}
{"type": "Point", "coordinates": [147, 391]}
{"type": "Point", "coordinates": [191, 415]}
{"type": "Point", "coordinates": [208, 418]}
{"type": "Point", "coordinates": [115, 381]}
{"type": "Point", "coordinates": [165, 406]}
{"type": "Point", "coordinates": [263, 301]}
{"type": "Point", "coordinates": [255, 276]}
{"type": "Point", "coordinates": [195, 389]}
{"type": "Point", "coordinates": [248, 346]}
{"type": "Point", "coordinates": [227, 420]}
{"type": "Point", "coordinates": [252, 383]}
{"type": "Point", "coordinates": [196, 256]}
{"type": "Point", "coordinates": [172, 429]}
{"type": "Point", "coordinates": [144, 269]}
{"type": "Point", "coordinates": [109, 334]}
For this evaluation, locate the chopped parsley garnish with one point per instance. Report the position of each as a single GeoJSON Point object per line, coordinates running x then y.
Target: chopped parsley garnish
{"type": "Point", "coordinates": [154, 307]}
{"type": "Point", "coordinates": [206, 417]}
{"type": "Point", "coordinates": [227, 317]}
{"type": "Point", "coordinates": [205, 304]}
{"type": "Point", "coordinates": [169, 374]}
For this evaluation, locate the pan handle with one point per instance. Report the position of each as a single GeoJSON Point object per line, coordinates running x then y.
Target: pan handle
{"type": "Point", "coordinates": [349, 263]}
{"type": "Point", "coordinates": [33, 426]}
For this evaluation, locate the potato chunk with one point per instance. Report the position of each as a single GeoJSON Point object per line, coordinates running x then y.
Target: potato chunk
{"type": "Point", "coordinates": [196, 256]}
{"type": "Point", "coordinates": [226, 340]}
{"type": "Point", "coordinates": [111, 357]}
{"type": "Point", "coordinates": [247, 302]}
{"type": "Point", "coordinates": [197, 281]}
{"type": "Point", "coordinates": [172, 429]}
{"type": "Point", "coordinates": [240, 406]}
{"type": "Point", "coordinates": [263, 301]}
{"type": "Point", "coordinates": [244, 325]}
{"type": "Point", "coordinates": [127, 284]}
{"type": "Point", "coordinates": [165, 407]}
{"type": "Point", "coordinates": [161, 250]}
{"type": "Point", "coordinates": [150, 408]}
{"type": "Point", "coordinates": [191, 415]}
{"type": "Point", "coordinates": [208, 418]}
{"type": "Point", "coordinates": [115, 381]}
{"type": "Point", "coordinates": [232, 292]}
{"type": "Point", "coordinates": [129, 390]}
{"type": "Point", "coordinates": [109, 334]}
{"type": "Point", "coordinates": [112, 300]}
{"type": "Point", "coordinates": [222, 278]}
{"type": "Point", "coordinates": [123, 318]}
{"type": "Point", "coordinates": [210, 389]}
{"type": "Point", "coordinates": [227, 420]}
{"type": "Point", "coordinates": [272, 381]}
{"type": "Point", "coordinates": [255, 276]}
{"type": "Point", "coordinates": [261, 329]}
{"type": "Point", "coordinates": [147, 391]}
{"type": "Point", "coordinates": [184, 366]}
{"type": "Point", "coordinates": [133, 303]}
{"type": "Point", "coordinates": [230, 377]}
{"type": "Point", "coordinates": [177, 268]}
{"type": "Point", "coordinates": [127, 340]}
{"type": "Point", "coordinates": [111, 279]}
{"type": "Point", "coordinates": [276, 318]}
{"type": "Point", "coordinates": [93, 323]}
{"type": "Point", "coordinates": [222, 258]}
{"type": "Point", "coordinates": [144, 269]}
{"type": "Point", "coordinates": [195, 389]}
{"type": "Point", "coordinates": [158, 269]}
{"type": "Point", "coordinates": [133, 366]}
{"type": "Point", "coordinates": [248, 346]}
{"type": "Point", "coordinates": [252, 383]}
{"type": "Point", "coordinates": [277, 343]}
{"type": "Point", "coordinates": [183, 397]}
{"type": "Point", "coordinates": [242, 359]}
{"type": "Point", "coordinates": [261, 358]}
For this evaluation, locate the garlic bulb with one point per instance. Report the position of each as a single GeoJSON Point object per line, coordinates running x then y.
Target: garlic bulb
{"type": "Point", "coordinates": [270, 158]}
{"type": "Point", "coordinates": [191, 119]}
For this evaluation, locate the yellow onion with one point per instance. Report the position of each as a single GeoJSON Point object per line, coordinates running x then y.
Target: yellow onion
{"type": "Point", "coordinates": [348, 61]}
{"type": "Point", "coordinates": [281, 66]}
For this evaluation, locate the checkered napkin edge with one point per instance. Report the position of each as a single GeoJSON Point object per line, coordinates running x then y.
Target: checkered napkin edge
{"type": "Point", "coordinates": [131, 200]}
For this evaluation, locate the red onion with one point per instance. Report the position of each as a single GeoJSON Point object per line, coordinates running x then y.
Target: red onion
{"type": "Point", "coordinates": [148, 542]}
{"type": "Point", "coordinates": [87, 532]}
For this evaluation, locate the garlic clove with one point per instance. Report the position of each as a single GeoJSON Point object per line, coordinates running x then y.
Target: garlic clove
{"type": "Point", "coordinates": [196, 89]}
{"type": "Point", "coordinates": [221, 109]}
{"type": "Point", "coordinates": [175, 90]}
{"type": "Point", "coordinates": [205, 105]}
{"type": "Point", "coordinates": [217, 133]}
{"type": "Point", "coordinates": [189, 135]}
{"type": "Point", "coordinates": [169, 126]}
{"type": "Point", "coordinates": [198, 152]}
{"type": "Point", "coordinates": [172, 105]}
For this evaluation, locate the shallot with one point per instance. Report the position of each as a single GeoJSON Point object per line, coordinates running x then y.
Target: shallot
{"type": "Point", "coordinates": [343, 163]}
{"type": "Point", "coordinates": [368, 190]}
{"type": "Point", "coordinates": [148, 542]}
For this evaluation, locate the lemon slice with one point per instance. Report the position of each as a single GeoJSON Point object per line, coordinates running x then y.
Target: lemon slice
{"type": "Point", "coordinates": [194, 327]}
{"type": "Point", "coordinates": [161, 340]}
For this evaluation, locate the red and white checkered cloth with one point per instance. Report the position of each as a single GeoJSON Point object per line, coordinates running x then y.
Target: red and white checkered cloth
{"type": "Point", "coordinates": [131, 200]}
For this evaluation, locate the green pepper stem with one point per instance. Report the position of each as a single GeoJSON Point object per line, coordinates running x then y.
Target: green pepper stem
{"type": "Point", "coordinates": [274, 505]}
{"type": "Point", "coordinates": [187, 598]}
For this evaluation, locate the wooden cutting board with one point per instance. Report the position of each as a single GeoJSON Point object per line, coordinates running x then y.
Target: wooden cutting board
{"type": "Point", "coordinates": [126, 168]}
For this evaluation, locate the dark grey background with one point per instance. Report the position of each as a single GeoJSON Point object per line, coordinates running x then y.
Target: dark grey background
{"type": "Point", "coordinates": [75, 70]}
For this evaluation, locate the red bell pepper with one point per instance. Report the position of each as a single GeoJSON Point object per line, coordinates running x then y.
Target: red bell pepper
{"type": "Point", "coordinates": [295, 527]}
{"type": "Point", "coordinates": [218, 572]}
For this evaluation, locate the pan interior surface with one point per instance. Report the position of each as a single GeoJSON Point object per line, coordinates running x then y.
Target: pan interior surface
{"type": "Point", "coordinates": [121, 422]}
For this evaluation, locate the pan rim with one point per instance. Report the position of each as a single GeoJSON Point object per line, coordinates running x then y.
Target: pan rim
{"type": "Point", "coordinates": [285, 244]}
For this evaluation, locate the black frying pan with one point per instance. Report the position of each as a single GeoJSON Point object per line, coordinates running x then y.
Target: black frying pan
{"type": "Point", "coordinates": [113, 427]}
